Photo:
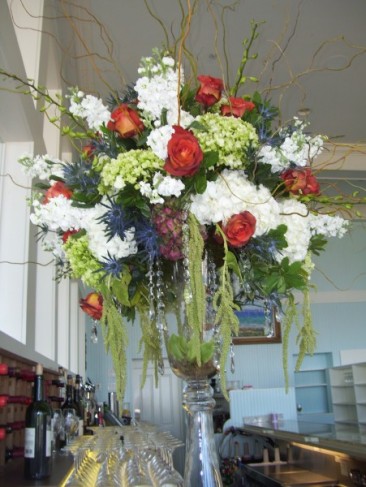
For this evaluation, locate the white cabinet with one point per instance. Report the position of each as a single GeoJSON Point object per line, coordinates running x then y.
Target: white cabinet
{"type": "Point", "coordinates": [348, 390]}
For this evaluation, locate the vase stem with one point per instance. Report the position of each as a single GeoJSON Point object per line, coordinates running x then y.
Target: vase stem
{"type": "Point", "coordinates": [201, 464]}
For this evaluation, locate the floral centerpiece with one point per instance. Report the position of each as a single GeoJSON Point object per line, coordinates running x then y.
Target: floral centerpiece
{"type": "Point", "coordinates": [172, 174]}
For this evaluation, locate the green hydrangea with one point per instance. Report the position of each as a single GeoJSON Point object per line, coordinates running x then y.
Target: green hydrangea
{"type": "Point", "coordinates": [229, 136]}
{"type": "Point", "coordinates": [84, 265]}
{"type": "Point", "coordinates": [129, 168]}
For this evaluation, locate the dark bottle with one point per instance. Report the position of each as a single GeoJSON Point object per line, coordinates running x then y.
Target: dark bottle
{"type": "Point", "coordinates": [38, 434]}
{"type": "Point", "coordinates": [69, 399]}
{"type": "Point", "coordinates": [79, 403]}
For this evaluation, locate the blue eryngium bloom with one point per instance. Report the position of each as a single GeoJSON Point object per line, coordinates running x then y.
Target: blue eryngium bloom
{"type": "Point", "coordinates": [80, 175]}
{"type": "Point", "coordinates": [116, 220]}
{"type": "Point", "coordinates": [111, 266]}
{"type": "Point", "coordinates": [147, 238]}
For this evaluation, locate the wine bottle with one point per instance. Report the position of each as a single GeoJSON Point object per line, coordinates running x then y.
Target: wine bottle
{"type": "Point", "coordinates": [38, 434]}
{"type": "Point", "coordinates": [79, 404]}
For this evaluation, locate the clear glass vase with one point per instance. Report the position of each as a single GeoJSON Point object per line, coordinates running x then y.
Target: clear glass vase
{"type": "Point", "coordinates": [194, 355]}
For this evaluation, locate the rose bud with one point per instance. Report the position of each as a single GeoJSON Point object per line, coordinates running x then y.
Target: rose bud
{"type": "Point", "coordinates": [239, 228]}
{"type": "Point", "coordinates": [210, 90]}
{"type": "Point", "coordinates": [92, 305]}
{"type": "Point", "coordinates": [125, 121]}
{"type": "Point", "coordinates": [57, 189]}
{"type": "Point", "coordinates": [88, 150]}
{"type": "Point", "coordinates": [184, 153]}
{"type": "Point", "coordinates": [236, 107]}
{"type": "Point", "coordinates": [300, 181]}
{"type": "Point", "coordinates": [67, 234]}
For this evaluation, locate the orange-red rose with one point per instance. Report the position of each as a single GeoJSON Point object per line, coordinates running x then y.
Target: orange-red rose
{"type": "Point", "coordinates": [239, 228]}
{"type": "Point", "coordinates": [125, 121]}
{"type": "Point", "coordinates": [236, 107]}
{"type": "Point", "coordinates": [92, 305]}
{"type": "Point", "coordinates": [209, 91]}
{"type": "Point", "coordinates": [300, 181]}
{"type": "Point", "coordinates": [57, 189]}
{"type": "Point", "coordinates": [184, 153]}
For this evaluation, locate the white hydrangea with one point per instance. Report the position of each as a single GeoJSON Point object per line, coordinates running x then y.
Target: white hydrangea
{"type": "Point", "coordinates": [99, 243]}
{"type": "Point", "coordinates": [90, 108]}
{"type": "Point", "coordinates": [233, 193]}
{"type": "Point", "coordinates": [297, 148]}
{"type": "Point", "coordinates": [41, 166]}
{"type": "Point", "coordinates": [329, 226]}
{"type": "Point", "coordinates": [161, 186]}
{"type": "Point", "coordinates": [296, 217]}
{"type": "Point", "coordinates": [58, 214]}
{"type": "Point", "coordinates": [158, 140]}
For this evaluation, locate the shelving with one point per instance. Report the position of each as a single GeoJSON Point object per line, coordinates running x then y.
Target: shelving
{"type": "Point", "coordinates": [312, 384]}
{"type": "Point", "coordinates": [348, 390]}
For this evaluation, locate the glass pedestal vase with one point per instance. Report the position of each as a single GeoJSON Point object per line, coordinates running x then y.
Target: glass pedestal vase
{"type": "Point", "coordinates": [202, 463]}
{"type": "Point", "coordinates": [202, 467]}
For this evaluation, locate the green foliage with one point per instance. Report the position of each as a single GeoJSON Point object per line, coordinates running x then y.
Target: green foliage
{"type": "Point", "coordinates": [115, 340]}
{"type": "Point", "coordinates": [182, 349]}
{"type": "Point", "coordinates": [149, 343]}
{"type": "Point", "coordinates": [195, 296]}
{"type": "Point", "coordinates": [317, 244]}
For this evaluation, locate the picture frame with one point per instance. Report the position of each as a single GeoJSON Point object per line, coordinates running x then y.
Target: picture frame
{"type": "Point", "coordinates": [253, 328]}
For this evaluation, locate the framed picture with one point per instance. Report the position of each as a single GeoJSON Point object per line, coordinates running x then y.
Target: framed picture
{"type": "Point", "coordinates": [253, 326]}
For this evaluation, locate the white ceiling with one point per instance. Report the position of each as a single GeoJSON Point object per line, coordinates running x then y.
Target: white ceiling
{"type": "Point", "coordinates": [303, 49]}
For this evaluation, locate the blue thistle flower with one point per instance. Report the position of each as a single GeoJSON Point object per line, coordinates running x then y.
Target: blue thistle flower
{"type": "Point", "coordinates": [82, 176]}
{"type": "Point", "coordinates": [116, 220]}
{"type": "Point", "coordinates": [147, 238]}
{"type": "Point", "coordinates": [111, 266]}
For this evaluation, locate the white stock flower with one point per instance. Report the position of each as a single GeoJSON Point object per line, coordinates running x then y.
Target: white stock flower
{"type": "Point", "coordinates": [329, 226]}
{"type": "Point", "coordinates": [167, 186]}
{"type": "Point", "coordinates": [158, 140]}
{"type": "Point", "coordinates": [297, 148]}
{"type": "Point", "coordinates": [41, 166]}
{"type": "Point", "coordinates": [296, 217]}
{"type": "Point", "coordinates": [58, 214]}
{"type": "Point", "coordinates": [92, 109]}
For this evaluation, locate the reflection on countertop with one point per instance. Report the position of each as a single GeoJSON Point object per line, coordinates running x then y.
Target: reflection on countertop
{"type": "Point", "coordinates": [340, 437]}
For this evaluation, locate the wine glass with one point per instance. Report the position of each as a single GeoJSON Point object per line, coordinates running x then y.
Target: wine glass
{"type": "Point", "coordinates": [57, 428]}
{"type": "Point", "coordinates": [71, 424]}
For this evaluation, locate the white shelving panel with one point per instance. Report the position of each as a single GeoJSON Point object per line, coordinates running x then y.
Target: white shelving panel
{"type": "Point", "coordinates": [348, 391]}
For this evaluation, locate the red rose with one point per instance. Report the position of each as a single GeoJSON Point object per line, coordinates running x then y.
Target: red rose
{"type": "Point", "coordinates": [239, 228]}
{"type": "Point", "coordinates": [57, 189]}
{"type": "Point", "coordinates": [92, 305]}
{"type": "Point", "coordinates": [125, 121]}
{"type": "Point", "coordinates": [184, 153]}
{"type": "Point", "coordinates": [236, 107]}
{"type": "Point", "coordinates": [210, 90]}
{"type": "Point", "coordinates": [300, 181]}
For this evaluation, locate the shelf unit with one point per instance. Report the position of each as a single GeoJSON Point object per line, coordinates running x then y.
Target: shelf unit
{"type": "Point", "coordinates": [348, 391]}
{"type": "Point", "coordinates": [312, 384]}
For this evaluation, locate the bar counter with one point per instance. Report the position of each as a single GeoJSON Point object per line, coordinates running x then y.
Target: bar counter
{"type": "Point", "coordinates": [345, 438]}
{"type": "Point", "coordinates": [11, 475]}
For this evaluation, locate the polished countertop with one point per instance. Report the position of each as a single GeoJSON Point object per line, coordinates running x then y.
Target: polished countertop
{"type": "Point", "coordinates": [11, 475]}
{"type": "Point", "coordinates": [341, 437]}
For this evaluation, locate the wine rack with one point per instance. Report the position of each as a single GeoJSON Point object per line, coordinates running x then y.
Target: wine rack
{"type": "Point", "coordinates": [16, 384]}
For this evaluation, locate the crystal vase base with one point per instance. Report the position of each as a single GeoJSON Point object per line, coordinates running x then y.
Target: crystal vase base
{"type": "Point", "coordinates": [202, 464]}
